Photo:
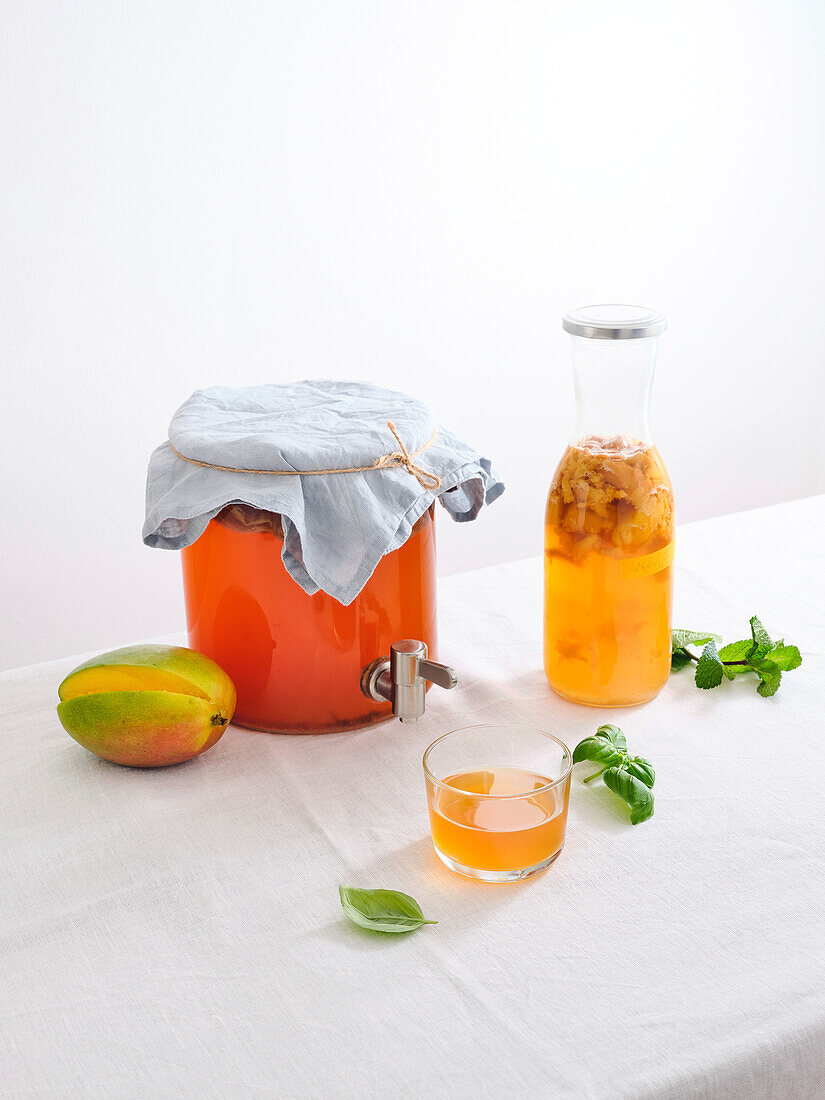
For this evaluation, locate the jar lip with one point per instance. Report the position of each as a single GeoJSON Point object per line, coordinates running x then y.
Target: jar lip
{"type": "Point", "coordinates": [614, 322]}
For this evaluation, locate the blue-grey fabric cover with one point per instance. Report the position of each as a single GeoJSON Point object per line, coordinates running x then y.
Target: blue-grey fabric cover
{"type": "Point", "coordinates": [336, 526]}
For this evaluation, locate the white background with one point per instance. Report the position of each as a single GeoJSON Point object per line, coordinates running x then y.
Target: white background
{"type": "Point", "coordinates": [195, 193]}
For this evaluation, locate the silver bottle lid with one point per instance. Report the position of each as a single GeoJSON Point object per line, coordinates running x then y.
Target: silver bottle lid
{"type": "Point", "coordinates": [614, 322]}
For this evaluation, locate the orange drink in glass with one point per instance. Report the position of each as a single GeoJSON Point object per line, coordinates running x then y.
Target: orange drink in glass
{"type": "Point", "coordinates": [498, 796]}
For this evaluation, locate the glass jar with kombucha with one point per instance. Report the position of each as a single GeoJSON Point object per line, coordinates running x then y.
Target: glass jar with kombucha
{"type": "Point", "coordinates": [295, 659]}
{"type": "Point", "coordinates": [304, 513]}
{"type": "Point", "coordinates": [609, 529]}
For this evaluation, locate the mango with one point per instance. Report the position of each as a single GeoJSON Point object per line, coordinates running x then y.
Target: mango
{"type": "Point", "coordinates": [147, 706]}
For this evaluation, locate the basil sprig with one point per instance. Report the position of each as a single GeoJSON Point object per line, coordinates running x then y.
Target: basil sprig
{"type": "Point", "coordinates": [630, 777]}
{"type": "Point", "coordinates": [382, 910]}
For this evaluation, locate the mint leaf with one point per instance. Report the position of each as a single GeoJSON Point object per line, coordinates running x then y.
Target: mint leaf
{"type": "Point", "coordinates": [382, 910]}
{"type": "Point", "coordinates": [710, 670]}
{"type": "Point", "coordinates": [732, 671]}
{"type": "Point", "coordinates": [678, 659]}
{"type": "Point", "coordinates": [680, 638]}
{"type": "Point", "coordinates": [736, 651]}
{"type": "Point", "coordinates": [636, 794]}
{"type": "Point", "coordinates": [785, 657]}
{"type": "Point", "coordinates": [760, 634]}
{"type": "Point", "coordinates": [770, 675]}
{"type": "Point", "coordinates": [768, 659]}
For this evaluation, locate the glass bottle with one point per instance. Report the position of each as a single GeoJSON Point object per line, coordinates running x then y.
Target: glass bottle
{"type": "Point", "coordinates": [609, 521]}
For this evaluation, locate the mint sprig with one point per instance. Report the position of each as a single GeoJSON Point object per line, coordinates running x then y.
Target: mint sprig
{"type": "Point", "coordinates": [681, 639]}
{"type": "Point", "coordinates": [759, 654]}
{"type": "Point", "coordinates": [630, 777]}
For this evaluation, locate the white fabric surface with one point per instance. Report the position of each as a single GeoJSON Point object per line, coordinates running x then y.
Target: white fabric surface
{"type": "Point", "coordinates": [178, 932]}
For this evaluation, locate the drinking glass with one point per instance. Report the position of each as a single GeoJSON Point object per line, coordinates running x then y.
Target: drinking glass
{"type": "Point", "coordinates": [497, 796]}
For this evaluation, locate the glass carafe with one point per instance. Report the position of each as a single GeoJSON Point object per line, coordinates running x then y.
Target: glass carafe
{"type": "Point", "coordinates": [609, 521]}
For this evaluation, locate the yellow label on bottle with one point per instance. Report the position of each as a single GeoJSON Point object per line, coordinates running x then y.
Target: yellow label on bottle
{"type": "Point", "coordinates": [650, 563]}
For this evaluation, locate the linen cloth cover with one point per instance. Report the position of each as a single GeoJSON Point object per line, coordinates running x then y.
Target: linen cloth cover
{"type": "Point", "coordinates": [336, 526]}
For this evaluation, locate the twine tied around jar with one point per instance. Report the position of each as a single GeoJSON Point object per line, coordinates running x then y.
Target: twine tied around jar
{"type": "Point", "coordinates": [394, 459]}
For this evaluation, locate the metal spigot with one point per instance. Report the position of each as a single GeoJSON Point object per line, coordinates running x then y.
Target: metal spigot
{"type": "Point", "coordinates": [401, 679]}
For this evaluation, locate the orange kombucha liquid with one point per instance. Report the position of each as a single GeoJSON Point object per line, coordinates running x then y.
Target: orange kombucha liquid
{"type": "Point", "coordinates": [498, 834]}
{"type": "Point", "coordinates": [608, 573]}
{"type": "Point", "coordinates": [296, 660]}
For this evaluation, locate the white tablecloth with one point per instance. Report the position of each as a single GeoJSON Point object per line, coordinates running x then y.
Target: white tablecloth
{"type": "Point", "coordinates": [178, 932]}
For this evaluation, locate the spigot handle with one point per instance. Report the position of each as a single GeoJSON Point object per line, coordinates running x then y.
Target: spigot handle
{"type": "Point", "coordinates": [442, 675]}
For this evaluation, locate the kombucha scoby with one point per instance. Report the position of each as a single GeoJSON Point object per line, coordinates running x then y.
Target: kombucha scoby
{"type": "Point", "coordinates": [608, 573]}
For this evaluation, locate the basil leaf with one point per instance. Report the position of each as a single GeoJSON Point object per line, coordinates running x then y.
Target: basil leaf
{"type": "Point", "coordinates": [636, 794]}
{"type": "Point", "coordinates": [680, 638]}
{"type": "Point", "coordinates": [597, 750]}
{"type": "Point", "coordinates": [642, 769]}
{"type": "Point", "coordinates": [382, 910]}
{"type": "Point", "coordinates": [641, 811]}
{"type": "Point", "coordinates": [614, 735]}
{"type": "Point", "coordinates": [710, 670]}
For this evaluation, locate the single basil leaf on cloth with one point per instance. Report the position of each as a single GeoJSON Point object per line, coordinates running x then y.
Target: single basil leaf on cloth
{"type": "Point", "coordinates": [771, 676]}
{"type": "Point", "coordinates": [736, 651]}
{"type": "Point", "coordinates": [760, 634]}
{"type": "Point", "coordinates": [642, 769]}
{"type": "Point", "coordinates": [382, 910]}
{"type": "Point", "coordinates": [709, 671]}
{"type": "Point", "coordinates": [785, 657]}
{"type": "Point", "coordinates": [680, 638]}
{"type": "Point", "coordinates": [636, 794]}
{"type": "Point", "coordinates": [678, 659]}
